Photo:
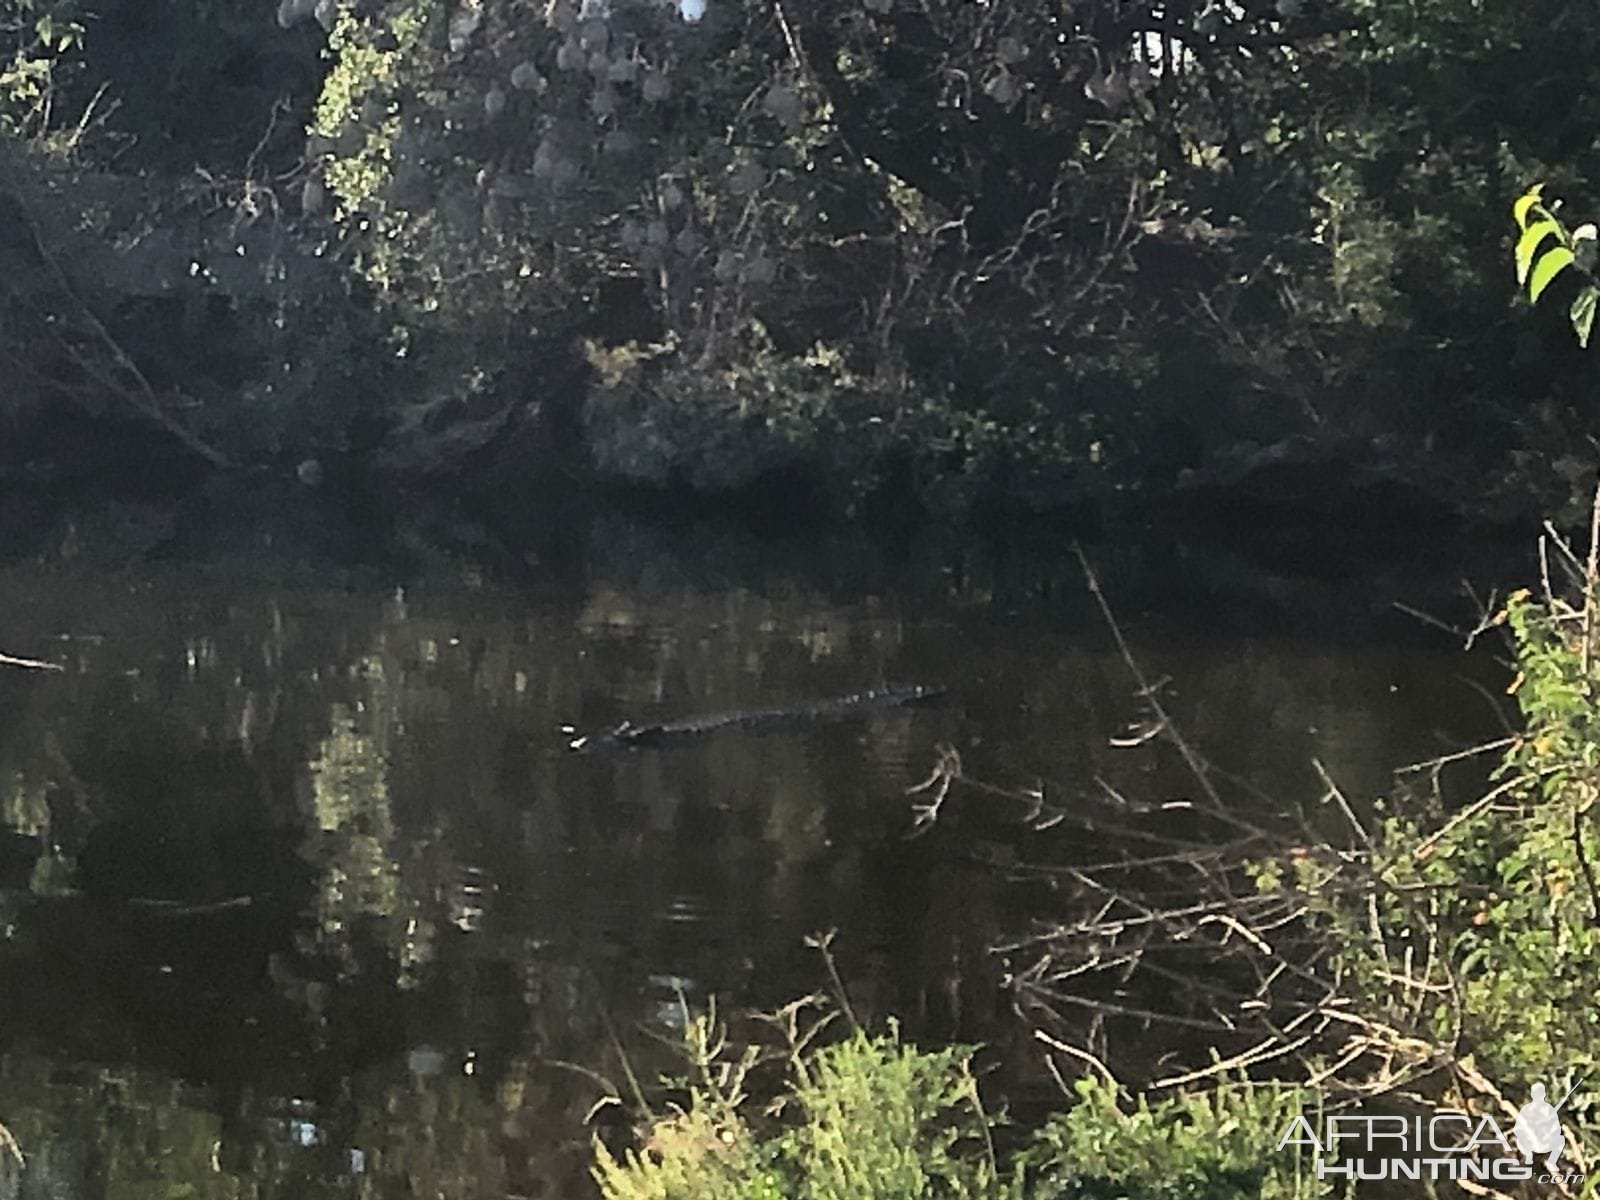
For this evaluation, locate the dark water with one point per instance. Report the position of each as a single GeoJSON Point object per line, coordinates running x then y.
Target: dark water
{"type": "Point", "coordinates": [303, 894]}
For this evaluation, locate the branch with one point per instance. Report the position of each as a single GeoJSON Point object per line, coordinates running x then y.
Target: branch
{"type": "Point", "coordinates": [31, 664]}
{"type": "Point", "coordinates": [1238, 37]}
{"type": "Point", "coordinates": [142, 396]}
{"type": "Point", "coordinates": [865, 133]}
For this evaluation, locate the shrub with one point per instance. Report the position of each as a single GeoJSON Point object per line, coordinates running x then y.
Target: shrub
{"type": "Point", "coordinates": [1207, 1145]}
{"type": "Point", "coordinates": [873, 1118]}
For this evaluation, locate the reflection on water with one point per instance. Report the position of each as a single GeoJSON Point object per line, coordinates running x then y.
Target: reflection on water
{"type": "Point", "coordinates": [301, 892]}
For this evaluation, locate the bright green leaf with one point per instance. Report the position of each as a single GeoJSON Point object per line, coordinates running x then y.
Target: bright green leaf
{"type": "Point", "coordinates": [1525, 202]}
{"type": "Point", "coordinates": [1528, 244]}
{"type": "Point", "coordinates": [1583, 313]}
{"type": "Point", "coordinates": [1546, 269]}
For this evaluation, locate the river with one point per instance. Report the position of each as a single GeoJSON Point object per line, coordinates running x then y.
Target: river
{"type": "Point", "coordinates": [303, 892]}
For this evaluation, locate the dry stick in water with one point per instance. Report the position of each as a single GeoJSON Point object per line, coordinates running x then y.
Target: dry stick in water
{"type": "Point", "coordinates": [1147, 690]}
{"type": "Point", "coordinates": [31, 664]}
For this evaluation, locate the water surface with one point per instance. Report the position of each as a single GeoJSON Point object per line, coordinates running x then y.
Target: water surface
{"type": "Point", "coordinates": [303, 893]}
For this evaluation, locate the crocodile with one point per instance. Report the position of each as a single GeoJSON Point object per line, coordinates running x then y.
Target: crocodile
{"type": "Point", "coordinates": [668, 733]}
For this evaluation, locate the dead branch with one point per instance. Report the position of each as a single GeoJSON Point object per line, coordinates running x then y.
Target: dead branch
{"type": "Point", "coordinates": [141, 397]}
{"type": "Point", "coordinates": [30, 664]}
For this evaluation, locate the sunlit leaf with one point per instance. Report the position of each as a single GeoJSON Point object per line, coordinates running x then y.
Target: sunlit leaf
{"type": "Point", "coordinates": [1546, 269]}
{"type": "Point", "coordinates": [1583, 313]}
{"type": "Point", "coordinates": [1528, 244]}
{"type": "Point", "coordinates": [1525, 202]}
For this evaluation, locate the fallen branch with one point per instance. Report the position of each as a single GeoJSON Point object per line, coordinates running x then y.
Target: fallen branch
{"type": "Point", "coordinates": [140, 396]}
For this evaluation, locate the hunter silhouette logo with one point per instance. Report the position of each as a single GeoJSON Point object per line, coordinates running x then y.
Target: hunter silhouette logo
{"type": "Point", "coordinates": [1445, 1144]}
{"type": "Point", "coordinates": [1538, 1129]}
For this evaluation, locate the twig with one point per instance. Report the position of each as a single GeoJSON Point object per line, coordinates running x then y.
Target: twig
{"type": "Point", "coordinates": [1150, 1015]}
{"type": "Point", "coordinates": [627, 1068]}
{"type": "Point", "coordinates": [984, 1122]}
{"type": "Point", "coordinates": [1584, 864]}
{"type": "Point", "coordinates": [1082, 1055]}
{"type": "Point", "coordinates": [1191, 760]}
{"type": "Point", "coordinates": [31, 664]}
{"type": "Point", "coordinates": [946, 770]}
{"type": "Point", "coordinates": [1433, 764]}
{"type": "Point", "coordinates": [1574, 564]}
{"type": "Point", "coordinates": [1591, 572]}
{"type": "Point", "coordinates": [1468, 813]}
{"type": "Point", "coordinates": [588, 1073]}
{"type": "Point", "coordinates": [1426, 619]}
{"type": "Point", "coordinates": [1264, 1051]}
{"type": "Point", "coordinates": [823, 944]}
{"type": "Point", "coordinates": [1336, 794]}
{"type": "Point", "coordinates": [796, 54]}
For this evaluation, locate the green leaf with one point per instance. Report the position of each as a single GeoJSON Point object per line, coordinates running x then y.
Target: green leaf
{"type": "Point", "coordinates": [1547, 268]}
{"type": "Point", "coordinates": [1524, 203]}
{"type": "Point", "coordinates": [1528, 244]}
{"type": "Point", "coordinates": [1583, 313]}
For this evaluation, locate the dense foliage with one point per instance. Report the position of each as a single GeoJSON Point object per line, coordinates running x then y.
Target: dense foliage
{"type": "Point", "coordinates": [869, 1118]}
{"type": "Point", "coordinates": [1026, 253]}
{"type": "Point", "coordinates": [1054, 251]}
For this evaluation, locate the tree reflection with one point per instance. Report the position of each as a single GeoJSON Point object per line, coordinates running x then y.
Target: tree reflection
{"type": "Point", "coordinates": [301, 892]}
{"type": "Point", "coordinates": [361, 880]}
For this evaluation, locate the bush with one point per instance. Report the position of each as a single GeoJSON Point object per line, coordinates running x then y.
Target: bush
{"type": "Point", "coordinates": [873, 1118]}
{"type": "Point", "coordinates": [1463, 945]}
{"type": "Point", "coordinates": [1209, 1145]}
